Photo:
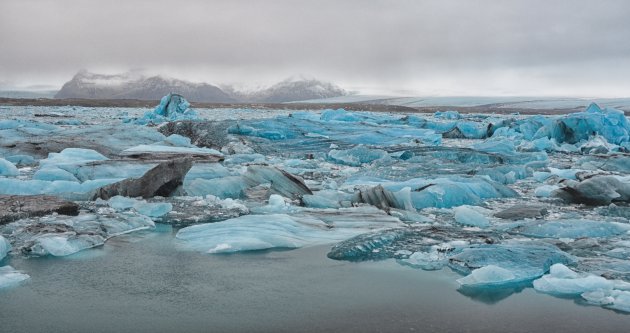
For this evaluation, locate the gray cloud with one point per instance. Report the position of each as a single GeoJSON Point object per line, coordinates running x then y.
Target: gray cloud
{"type": "Point", "coordinates": [570, 47]}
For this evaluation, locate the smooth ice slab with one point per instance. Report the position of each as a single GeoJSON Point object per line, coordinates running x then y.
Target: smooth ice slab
{"type": "Point", "coordinates": [259, 232]}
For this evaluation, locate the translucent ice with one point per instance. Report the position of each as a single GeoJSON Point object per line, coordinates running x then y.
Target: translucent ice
{"type": "Point", "coordinates": [8, 169]}
{"type": "Point", "coordinates": [525, 260]}
{"type": "Point", "coordinates": [571, 228]}
{"type": "Point", "coordinates": [172, 107]}
{"type": "Point", "coordinates": [469, 216]}
{"type": "Point", "coordinates": [151, 209]}
{"type": "Point", "coordinates": [488, 276]}
{"type": "Point", "coordinates": [357, 155]}
{"type": "Point", "coordinates": [54, 173]}
{"type": "Point", "coordinates": [563, 281]}
{"type": "Point", "coordinates": [5, 247]}
{"type": "Point", "coordinates": [72, 156]}
{"type": "Point", "coordinates": [10, 277]}
{"type": "Point", "coordinates": [609, 123]}
{"type": "Point", "coordinates": [65, 235]}
{"type": "Point", "coordinates": [259, 232]}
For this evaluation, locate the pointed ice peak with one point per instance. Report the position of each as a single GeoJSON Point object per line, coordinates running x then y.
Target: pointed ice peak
{"type": "Point", "coordinates": [593, 108]}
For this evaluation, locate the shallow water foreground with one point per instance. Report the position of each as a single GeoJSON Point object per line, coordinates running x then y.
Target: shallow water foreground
{"type": "Point", "coordinates": [143, 283]}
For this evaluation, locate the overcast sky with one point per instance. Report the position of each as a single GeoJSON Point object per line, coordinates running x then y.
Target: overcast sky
{"type": "Point", "coordinates": [415, 47]}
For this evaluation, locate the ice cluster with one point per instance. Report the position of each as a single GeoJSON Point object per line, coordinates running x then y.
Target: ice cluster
{"type": "Point", "coordinates": [507, 201]}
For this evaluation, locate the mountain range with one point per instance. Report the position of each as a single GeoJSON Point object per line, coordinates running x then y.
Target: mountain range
{"type": "Point", "coordinates": [134, 85]}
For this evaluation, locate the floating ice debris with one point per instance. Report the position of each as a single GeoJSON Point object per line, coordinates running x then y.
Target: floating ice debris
{"type": "Point", "coordinates": [609, 123]}
{"type": "Point", "coordinates": [563, 281]}
{"type": "Point", "coordinates": [260, 232]}
{"type": "Point", "coordinates": [597, 190]}
{"type": "Point", "coordinates": [54, 173]}
{"type": "Point", "coordinates": [525, 260]}
{"type": "Point", "coordinates": [275, 205]}
{"type": "Point", "coordinates": [5, 247]}
{"type": "Point", "coordinates": [357, 156]}
{"type": "Point", "coordinates": [470, 216]}
{"type": "Point", "coordinates": [172, 107]}
{"type": "Point", "coordinates": [63, 188]}
{"type": "Point", "coordinates": [8, 169]}
{"type": "Point", "coordinates": [436, 257]}
{"type": "Point", "coordinates": [10, 277]}
{"type": "Point", "coordinates": [447, 115]}
{"type": "Point", "coordinates": [487, 276]}
{"type": "Point", "coordinates": [571, 229]}
{"type": "Point", "coordinates": [21, 160]}
{"type": "Point", "coordinates": [281, 182]}
{"type": "Point", "coordinates": [72, 156]}
{"type": "Point", "coordinates": [447, 192]}
{"type": "Point", "coordinates": [157, 150]}
{"type": "Point", "coordinates": [151, 209]}
{"type": "Point", "coordinates": [64, 235]}
{"type": "Point", "coordinates": [434, 243]}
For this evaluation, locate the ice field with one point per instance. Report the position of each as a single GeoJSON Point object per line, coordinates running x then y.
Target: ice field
{"type": "Point", "coordinates": [503, 201]}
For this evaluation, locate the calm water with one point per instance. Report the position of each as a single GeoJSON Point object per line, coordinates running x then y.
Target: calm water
{"type": "Point", "coordinates": [142, 283]}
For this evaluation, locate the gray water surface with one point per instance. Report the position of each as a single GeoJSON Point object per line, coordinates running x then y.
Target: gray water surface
{"type": "Point", "coordinates": [143, 283]}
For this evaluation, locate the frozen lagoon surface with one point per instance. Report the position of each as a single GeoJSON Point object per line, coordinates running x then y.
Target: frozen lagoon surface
{"type": "Point", "coordinates": [322, 220]}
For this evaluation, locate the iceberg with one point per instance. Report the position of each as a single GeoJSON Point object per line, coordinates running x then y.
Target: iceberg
{"type": "Point", "coordinates": [357, 156]}
{"type": "Point", "coordinates": [563, 281]}
{"type": "Point", "coordinates": [489, 276]}
{"type": "Point", "coordinates": [5, 247]}
{"type": "Point", "coordinates": [8, 169]}
{"type": "Point", "coordinates": [151, 209]}
{"type": "Point", "coordinates": [172, 107]}
{"type": "Point", "coordinates": [10, 277]}
{"type": "Point", "coordinates": [65, 235]}
{"type": "Point", "coordinates": [524, 260]}
{"type": "Point", "coordinates": [260, 232]}
{"type": "Point", "coordinates": [571, 228]}
{"type": "Point", "coordinates": [469, 216]}
{"type": "Point", "coordinates": [611, 124]}
{"type": "Point", "coordinates": [597, 190]}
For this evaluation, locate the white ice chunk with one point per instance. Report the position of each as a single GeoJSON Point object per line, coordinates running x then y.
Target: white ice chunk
{"type": "Point", "coordinates": [563, 281]}
{"type": "Point", "coordinates": [259, 232]}
{"type": "Point", "coordinates": [10, 277]}
{"type": "Point", "coordinates": [467, 215]}
{"type": "Point", "coordinates": [488, 276]}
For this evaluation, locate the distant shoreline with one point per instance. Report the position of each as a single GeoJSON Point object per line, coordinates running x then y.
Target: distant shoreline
{"type": "Point", "coordinates": [134, 103]}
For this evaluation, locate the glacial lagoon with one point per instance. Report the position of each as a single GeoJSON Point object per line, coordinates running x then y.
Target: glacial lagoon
{"type": "Point", "coordinates": [284, 220]}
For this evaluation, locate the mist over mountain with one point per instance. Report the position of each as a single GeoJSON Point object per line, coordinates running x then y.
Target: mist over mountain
{"type": "Point", "coordinates": [137, 86]}
{"type": "Point", "coordinates": [133, 85]}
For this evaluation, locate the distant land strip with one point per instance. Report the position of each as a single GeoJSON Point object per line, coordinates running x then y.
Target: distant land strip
{"type": "Point", "coordinates": [375, 107]}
